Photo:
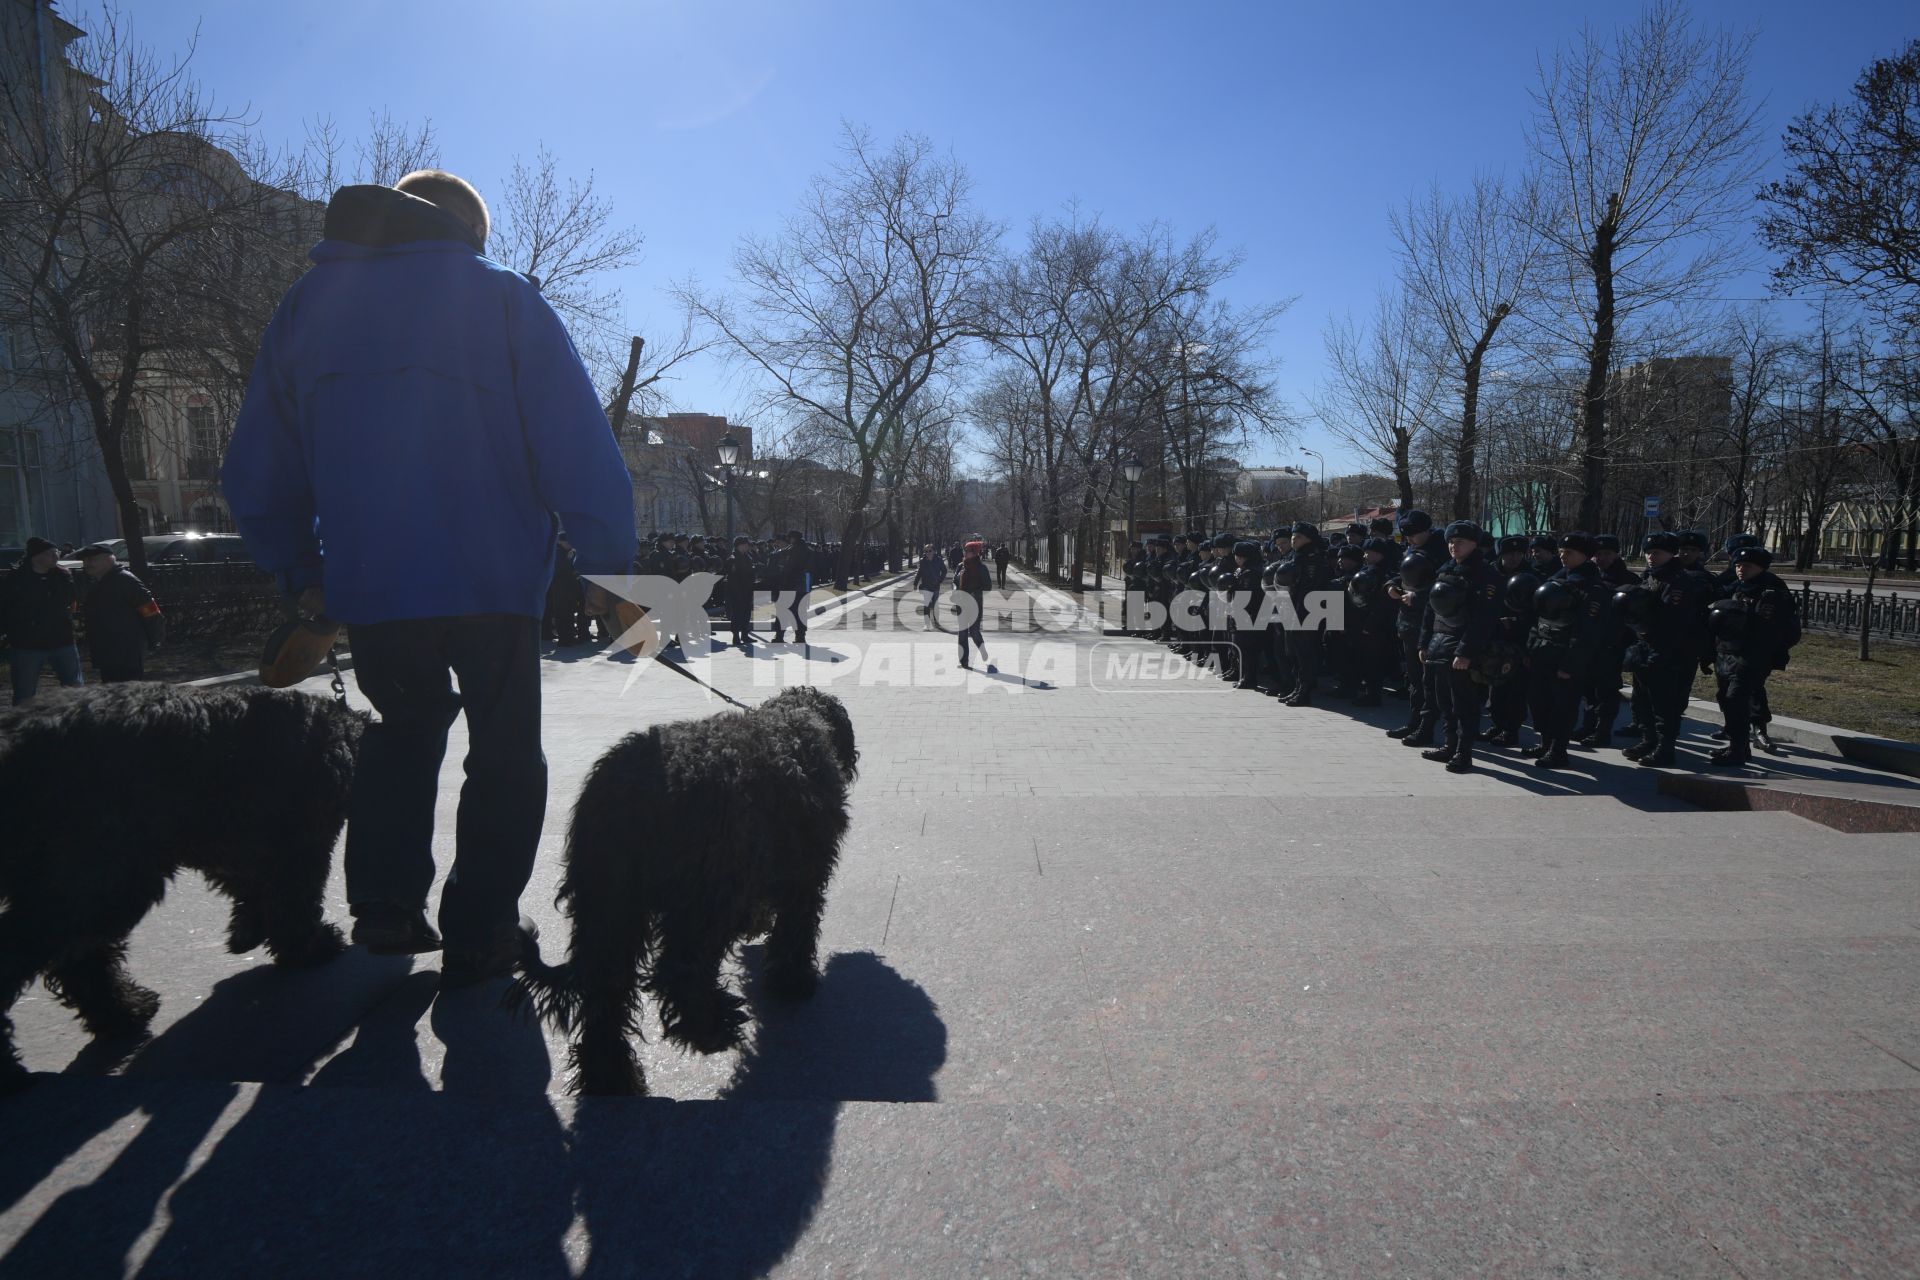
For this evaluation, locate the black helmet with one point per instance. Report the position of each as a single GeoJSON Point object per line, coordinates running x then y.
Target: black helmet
{"type": "Point", "coordinates": [1634, 605]}
{"type": "Point", "coordinates": [1362, 587]}
{"type": "Point", "coordinates": [1555, 601]}
{"type": "Point", "coordinates": [1520, 589]}
{"type": "Point", "coordinates": [1285, 572]}
{"type": "Point", "coordinates": [1416, 571]}
{"type": "Point", "coordinates": [1449, 598]}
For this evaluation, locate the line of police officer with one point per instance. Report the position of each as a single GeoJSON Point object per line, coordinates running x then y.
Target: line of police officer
{"type": "Point", "coordinates": [1521, 629]}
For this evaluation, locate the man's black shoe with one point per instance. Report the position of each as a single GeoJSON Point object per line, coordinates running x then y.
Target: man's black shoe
{"type": "Point", "coordinates": [1637, 750]}
{"type": "Point", "coordinates": [1445, 751]}
{"type": "Point", "coordinates": [394, 931]}
{"type": "Point", "coordinates": [1420, 739]}
{"type": "Point", "coordinates": [1552, 760]}
{"type": "Point", "coordinates": [1460, 764]}
{"type": "Point", "coordinates": [1400, 732]}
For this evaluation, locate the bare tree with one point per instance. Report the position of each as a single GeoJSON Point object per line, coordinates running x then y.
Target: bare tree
{"type": "Point", "coordinates": [1382, 391]}
{"type": "Point", "coordinates": [135, 241]}
{"type": "Point", "coordinates": [866, 297]}
{"type": "Point", "coordinates": [1469, 263]}
{"type": "Point", "coordinates": [1645, 148]}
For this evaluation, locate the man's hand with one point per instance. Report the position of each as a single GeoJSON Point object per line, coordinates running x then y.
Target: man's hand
{"type": "Point", "coordinates": [313, 602]}
{"type": "Point", "coordinates": [1463, 664]}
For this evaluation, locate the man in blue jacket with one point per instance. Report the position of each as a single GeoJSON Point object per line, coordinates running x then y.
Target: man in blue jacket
{"type": "Point", "coordinates": [412, 395]}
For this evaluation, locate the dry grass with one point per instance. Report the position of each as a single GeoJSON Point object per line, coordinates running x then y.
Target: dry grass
{"type": "Point", "coordinates": [1828, 684]}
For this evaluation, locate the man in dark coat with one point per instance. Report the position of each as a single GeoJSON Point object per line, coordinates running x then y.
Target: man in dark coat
{"type": "Point", "coordinates": [738, 588]}
{"type": "Point", "coordinates": [927, 577]}
{"type": "Point", "coordinates": [1671, 641]}
{"type": "Point", "coordinates": [36, 614]}
{"type": "Point", "coordinates": [1313, 571]}
{"type": "Point", "coordinates": [1461, 612]}
{"type": "Point", "coordinates": [1603, 689]}
{"type": "Point", "coordinates": [561, 624]}
{"type": "Point", "coordinates": [1572, 619]}
{"type": "Point", "coordinates": [1519, 577]}
{"type": "Point", "coordinates": [792, 579]}
{"type": "Point", "coordinates": [1754, 625]}
{"type": "Point", "coordinates": [1001, 559]}
{"type": "Point", "coordinates": [123, 621]}
{"type": "Point", "coordinates": [1409, 590]}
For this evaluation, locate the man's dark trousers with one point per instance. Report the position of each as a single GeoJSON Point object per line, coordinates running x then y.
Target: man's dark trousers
{"type": "Point", "coordinates": [406, 669]}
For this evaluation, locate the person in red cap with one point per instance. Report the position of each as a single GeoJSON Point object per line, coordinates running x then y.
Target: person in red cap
{"type": "Point", "coordinates": [973, 579]}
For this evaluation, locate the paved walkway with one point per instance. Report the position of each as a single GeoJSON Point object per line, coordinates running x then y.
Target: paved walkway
{"type": "Point", "coordinates": [1128, 974]}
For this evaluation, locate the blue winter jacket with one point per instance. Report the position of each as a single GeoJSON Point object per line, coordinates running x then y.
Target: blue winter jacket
{"type": "Point", "coordinates": [417, 427]}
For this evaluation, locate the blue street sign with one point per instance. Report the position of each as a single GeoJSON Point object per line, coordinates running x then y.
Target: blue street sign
{"type": "Point", "coordinates": [1653, 506]}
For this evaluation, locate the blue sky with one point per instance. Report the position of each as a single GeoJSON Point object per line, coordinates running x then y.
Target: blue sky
{"type": "Point", "coordinates": [1289, 127]}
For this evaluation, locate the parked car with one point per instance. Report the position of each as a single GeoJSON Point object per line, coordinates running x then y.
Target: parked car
{"type": "Point", "coordinates": [181, 548]}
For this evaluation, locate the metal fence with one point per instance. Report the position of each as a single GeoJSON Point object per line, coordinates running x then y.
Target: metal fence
{"type": "Point", "coordinates": [208, 603]}
{"type": "Point", "coordinates": [1887, 616]}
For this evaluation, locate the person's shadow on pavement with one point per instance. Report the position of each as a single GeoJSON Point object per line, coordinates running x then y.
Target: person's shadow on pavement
{"type": "Point", "coordinates": [726, 1188]}
{"type": "Point", "coordinates": [372, 1172]}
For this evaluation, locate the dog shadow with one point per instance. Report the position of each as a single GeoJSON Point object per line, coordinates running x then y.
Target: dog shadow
{"type": "Point", "coordinates": [727, 1188]}
{"type": "Point", "coordinates": [256, 1025]}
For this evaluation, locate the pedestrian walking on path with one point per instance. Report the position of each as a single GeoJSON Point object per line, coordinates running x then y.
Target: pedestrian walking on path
{"type": "Point", "coordinates": [123, 619]}
{"type": "Point", "coordinates": [412, 394]}
{"type": "Point", "coordinates": [972, 579]}
{"type": "Point", "coordinates": [36, 614]}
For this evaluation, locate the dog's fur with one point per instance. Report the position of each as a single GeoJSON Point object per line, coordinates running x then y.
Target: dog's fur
{"type": "Point", "coordinates": [689, 839]}
{"type": "Point", "coordinates": [107, 792]}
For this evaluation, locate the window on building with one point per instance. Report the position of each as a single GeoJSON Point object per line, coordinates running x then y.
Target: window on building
{"type": "Point", "coordinates": [133, 446]}
{"type": "Point", "coordinates": [23, 494]}
{"type": "Point", "coordinates": [203, 443]}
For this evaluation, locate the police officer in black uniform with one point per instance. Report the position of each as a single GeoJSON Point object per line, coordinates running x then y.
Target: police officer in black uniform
{"type": "Point", "coordinates": [1603, 690]}
{"type": "Point", "coordinates": [1572, 619]}
{"type": "Point", "coordinates": [1507, 701]}
{"type": "Point", "coordinates": [1667, 615]}
{"type": "Point", "coordinates": [1245, 597]}
{"type": "Point", "coordinates": [1462, 608]}
{"type": "Point", "coordinates": [1370, 621]}
{"type": "Point", "coordinates": [1412, 580]}
{"type": "Point", "coordinates": [1305, 644]}
{"type": "Point", "coordinates": [1339, 650]}
{"type": "Point", "coordinates": [1753, 626]}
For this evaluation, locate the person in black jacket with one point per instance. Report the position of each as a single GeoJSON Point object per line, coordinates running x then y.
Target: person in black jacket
{"type": "Point", "coordinates": [1001, 559]}
{"type": "Point", "coordinates": [973, 579]}
{"type": "Point", "coordinates": [1603, 688]}
{"type": "Point", "coordinates": [1408, 590]}
{"type": "Point", "coordinates": [1312, 571]}
{"type": "Point", "coordinates": [1669, 644]}
{"type": "Point", "coordinates": [737, 585]}
{"type": "Point", "coordinates": [564, 598]}
{"type": "Point", "coordinates": [1245, 598]}
{"type": "Point", "coordinates": [36, 614]}
{"type": "Point", "coordinates": [1753, 627]}
{"type": "Point", "coordinates": [1461, 611]}
{"type": "Point", "coordinates": [1519, 578]}
{"type": "Point", "coordinates": [927, 577]}
{"type": "Point", "coordinates": [123, 620]}
{"type": "Point", "coordinates": [1572, 619]}
{"type": "Point", "coordinates": [792, 579]}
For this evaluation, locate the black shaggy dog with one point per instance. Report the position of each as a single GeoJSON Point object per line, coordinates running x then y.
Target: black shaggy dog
{"type": "Point", "coordinates": [107, 792]}
{"type": "Point", "coordinates": [689, 839]}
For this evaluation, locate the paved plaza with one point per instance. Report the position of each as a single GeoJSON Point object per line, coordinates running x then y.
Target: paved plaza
{"type": "Point", "coordinates": [1126, 973]}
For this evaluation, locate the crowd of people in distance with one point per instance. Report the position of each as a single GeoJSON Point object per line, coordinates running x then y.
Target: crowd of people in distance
{"type": "Point", "coordinates": [784, 568]}
{"type": "Point", "coordinates": [1484, 636]}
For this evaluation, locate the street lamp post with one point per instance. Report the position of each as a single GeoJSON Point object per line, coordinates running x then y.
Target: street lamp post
{"type": "Point", "coordinates": [1311, 453]}
{"type": "Point", "coordinates": [1133, 470]}
{"type": "Point", "coordinates": [729, 450]}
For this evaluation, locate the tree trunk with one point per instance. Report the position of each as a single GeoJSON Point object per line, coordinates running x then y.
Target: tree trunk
{"type": "Point", "coordinates": [1466, 451]}
{"type": "Point", "coordinates": [1593, 442]}
{"type": "Point", "coordinates": [1403, 468]}
{"type": "Point", "coordinates": [617, 411]}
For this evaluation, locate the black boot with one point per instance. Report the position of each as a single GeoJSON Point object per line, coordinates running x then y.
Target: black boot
{"type": "Point", "coordinates": [1552, 756]}
{"type": "Point", "coordinates": [1661, 757]}
{"type": "Point", "coordinates": [1401, 732]}
{"type": "Point", "coordinates": [1445, 751]}
{"type": "Point", "coordinates": [1422, 736]}
{"type": "Point", "coordinates": [1643, 747]}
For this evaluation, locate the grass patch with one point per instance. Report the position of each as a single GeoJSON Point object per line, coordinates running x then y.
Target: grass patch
{"type": "Point", "coordinates": [1828, 684]}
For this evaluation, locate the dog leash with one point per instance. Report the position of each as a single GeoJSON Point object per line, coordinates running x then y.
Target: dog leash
{"type": "Point", "coordinates": [682, 671]}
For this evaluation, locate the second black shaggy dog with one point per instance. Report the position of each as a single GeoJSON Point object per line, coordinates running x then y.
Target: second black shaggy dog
{"type": "Point", "coordinates": [687, 840]}
{"type": "Point", "coordinates": [107, 792]}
